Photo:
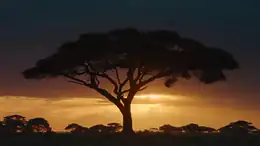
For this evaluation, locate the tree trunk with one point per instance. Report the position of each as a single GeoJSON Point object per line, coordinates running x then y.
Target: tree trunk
{"type": "Point", "coordinates": [127, 119]}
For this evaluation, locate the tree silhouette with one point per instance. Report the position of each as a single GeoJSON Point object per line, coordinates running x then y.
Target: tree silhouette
{"type": "Point", "coordinates": [205, 129]}
{"type": "Point", "coordinates": [76, 128]}
{"type": "Point", "coordinates": [148, 131]}
{"type": "Point", "coordinates": [191, 128]}
{"type": "Point", "coordinates": [239, 127]}
{"type": "Point", "coordinates": [38, 125]}
{"type": "Point", "coordinates": [154, 130]}
{"type": "Point", "coordinates": [170, 129]}
{"type": "Point", "coordinates": [14, 124]}
{"type": "Point", "coordinates": [129, 60]}
{"type": "Point", "coordinates": [114, 127]}
{"type": "Point", "coordinates": [100, 128]}
{"type": "Point", "coordinates": [2, 128]}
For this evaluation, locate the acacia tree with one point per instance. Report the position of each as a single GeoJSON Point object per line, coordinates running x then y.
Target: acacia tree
{"type": "Point", "coordinates": [38, 125]}
{"type": "Point", "coordinates": [239, 127]}
{"type": "Point", "coordinates": [76, 128]}
{"type": "Point", "coordinates": [14, 124]}
{"type": "Point", "coordinates": [130, 59]}
{"type": "Point", "coordinates": [170, 129]}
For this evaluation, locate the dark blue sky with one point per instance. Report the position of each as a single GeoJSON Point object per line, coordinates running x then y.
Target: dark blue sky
{"type": "Point", "coordinates": [31, 29]}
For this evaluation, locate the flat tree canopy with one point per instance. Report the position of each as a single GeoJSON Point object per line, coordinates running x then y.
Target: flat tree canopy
{"type": "Point", "coordinates": [143, 56]}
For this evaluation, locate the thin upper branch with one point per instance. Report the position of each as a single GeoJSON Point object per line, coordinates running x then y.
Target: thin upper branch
{"type": "Point", "coordinates": [121, 92]}
{"type": "Point", "coordinates": [128, 90]}
{"type": "Point", "coordinates": [117, 76]}
{"type": "Point", "coordinates": [141, 77]}
{"type": "Point", "coordinates": [139, 74]}
{"type": "Point", "coordinates": [76, 80]}
{"type": "Point", "coordinates": [158, 75]}
{"type": "Point", "coordinates": [121, 86]}
{"type": "Point", "coordinates": [130, 76]}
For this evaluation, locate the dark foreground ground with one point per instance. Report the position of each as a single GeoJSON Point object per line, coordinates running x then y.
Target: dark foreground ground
{"type": "Point", "coordinates": [137, 140]}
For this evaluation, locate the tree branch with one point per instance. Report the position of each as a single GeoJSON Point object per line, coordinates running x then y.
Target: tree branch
{"type": "Point", "coordinates": [128, 90]}
{"type": "Point", "coordinates": [96, 88]}
{"type": "Point", "coordinates": [143, 88]}
{"type": "Point", "coordinates": [134, 87]}
{"type": "Point", "coordinates": [103, 75]}
{"type": "Point", "coordinates": [117, 76]}
{"type": "Point", "coordinates": [97, 81]}
{"type": "Point", "coordinates": [107, 95]}
{"type": "Point", "coordinates": [121, 86]}
{"type": "Point", "coordinates": [141, 77]}
{"type": "Point", "coordinates": [158, 75]}
{"type": "Point", "coordinates": [139, 73]}
{"type": "Point", "coordinates": [130, 76]}
{"type": "Point", "coordinates": [131, 94]}
{"type": "Point", "coordinates": [75, 79]}
{"type": "Point", "coordinates": [75, 82]}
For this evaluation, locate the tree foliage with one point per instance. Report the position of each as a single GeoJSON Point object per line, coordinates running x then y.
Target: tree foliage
{"type": "Point", "coordinates": [99, 128]}
{"type": "Point", "coordinates": [14, 124]}
{"type": "Point", "coordinates": [144, 53]}
{"type": "Point", "coordinates": [239, 127]}
{"type": "Point", "coordinates": [190, 128]}
{"type": "Point", "coordinates": [170, 129]}
{"type": "Point", "coordinates": [76, 128]}
{"type": "Point", "coordinates": [38, 125]}
{"type": "Point", "coordinates": [18, 124]}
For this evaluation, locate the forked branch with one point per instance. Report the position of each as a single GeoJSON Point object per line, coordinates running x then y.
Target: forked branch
{"type": "Point", "coordinates": [93, 86]}
{"type": "Point", "coordinates": [89, 69]}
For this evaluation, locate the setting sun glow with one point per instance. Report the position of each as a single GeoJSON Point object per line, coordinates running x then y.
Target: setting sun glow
{"type": "Point", "coordinates": [153, 96]}
{"type": "Point", "coordinates": [159, 96]}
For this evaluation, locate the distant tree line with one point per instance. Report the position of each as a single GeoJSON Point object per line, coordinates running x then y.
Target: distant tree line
{"type": "Point", "coordinates": [18, 124]}
{"type": "Point", "coordinates": [238, 127]}
{"type": "Point", "coordinates": [100, 128]}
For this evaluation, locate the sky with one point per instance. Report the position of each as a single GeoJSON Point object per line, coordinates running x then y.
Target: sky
{"type": "Point", "coordinates": [30, 30]}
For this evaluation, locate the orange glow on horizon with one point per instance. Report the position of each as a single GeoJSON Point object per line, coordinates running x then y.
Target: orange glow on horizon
{"type": "Point", "coordinates": [169, 97]}
{"type": "Point", "coordinates": [148, 110]}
